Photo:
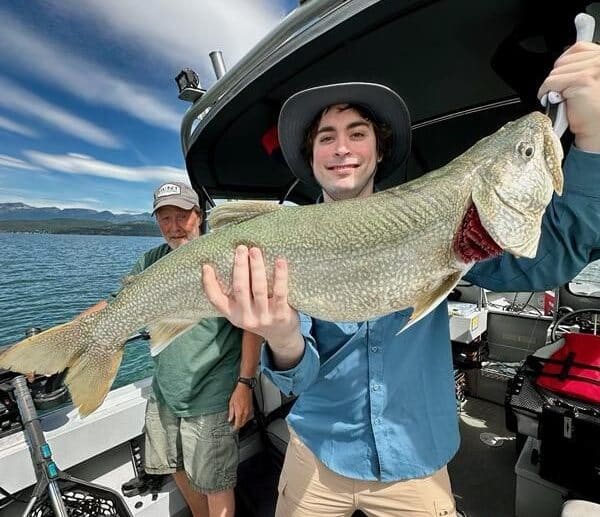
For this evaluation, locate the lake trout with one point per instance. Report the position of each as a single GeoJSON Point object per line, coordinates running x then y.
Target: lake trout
{"type": "Point", "coordinates": [352, 260]}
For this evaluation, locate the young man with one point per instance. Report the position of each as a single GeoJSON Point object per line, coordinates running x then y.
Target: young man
{"type": "Point", "coordinates": [375, 422]}
{"type": "Point", "coordinates": [202, 392]}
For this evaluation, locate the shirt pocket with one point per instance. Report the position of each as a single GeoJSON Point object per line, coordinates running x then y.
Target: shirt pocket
{"type": "Point", "coordinates": [340, 338]}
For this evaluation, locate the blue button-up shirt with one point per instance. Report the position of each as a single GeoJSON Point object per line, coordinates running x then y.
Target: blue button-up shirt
{"type": "Point", "coordinates": [377, 405]}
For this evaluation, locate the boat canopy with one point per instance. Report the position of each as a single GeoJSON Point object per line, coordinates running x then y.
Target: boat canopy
{"type": "Point", "coordinates": [464, 68]}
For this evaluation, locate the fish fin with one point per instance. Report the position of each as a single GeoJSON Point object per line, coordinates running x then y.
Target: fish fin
{"type": "Point", "coordinates": [91, 369]}
{"type": "Point", "coordinates": [164, 331]}
{"type": "Point", "coordinates": [436, 297]}
{"type": "Point", "coordinates": [236, 212]}
{"type": "Point", "coordinates": [552, 141]}
{"type": "Point", "coordinates": [45, 353]}
{"type": "Point", "coordinates": [90, 378]}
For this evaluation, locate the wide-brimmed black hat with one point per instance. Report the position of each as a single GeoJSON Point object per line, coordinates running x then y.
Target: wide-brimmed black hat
{"type": "Point", "coordinates": [300, 110]}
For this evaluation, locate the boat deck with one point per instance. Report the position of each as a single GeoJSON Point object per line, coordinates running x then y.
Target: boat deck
{"type": "Point", "coordinates": [483, 476]}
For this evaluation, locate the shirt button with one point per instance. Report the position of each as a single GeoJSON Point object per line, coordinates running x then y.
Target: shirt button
{"type": "Point", "coordinates": [374, 349]}
{"type": "Point", "coordinates": [377, 421]}
{"type": "Point", "coordinates": [375, 387]}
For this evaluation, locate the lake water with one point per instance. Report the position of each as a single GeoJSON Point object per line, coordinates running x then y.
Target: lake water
{"type": "Point", "coordinates": [48, 279]}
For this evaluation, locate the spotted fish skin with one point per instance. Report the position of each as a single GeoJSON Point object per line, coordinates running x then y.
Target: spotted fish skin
{"type": "Point", "coordinates": [350, 260]}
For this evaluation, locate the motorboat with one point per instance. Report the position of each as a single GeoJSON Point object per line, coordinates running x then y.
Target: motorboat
{"type": "Point", "coordinates": [464, 69]}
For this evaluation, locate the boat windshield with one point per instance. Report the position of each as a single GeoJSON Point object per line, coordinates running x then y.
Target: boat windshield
{"type": "Point", "coordinates": [586, 283]}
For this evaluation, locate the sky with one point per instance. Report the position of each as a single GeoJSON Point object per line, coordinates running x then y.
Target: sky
{"type": "Point", "coordinates": [89, 114]}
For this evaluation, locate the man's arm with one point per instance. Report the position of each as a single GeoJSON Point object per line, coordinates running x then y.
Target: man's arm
{"type": "Point", "coordinates": [302, 372]}
{"type": "Point", "coordinates": [251, 344]}
{"type": "Point", "coordinates": [240, 403]}
{"type": "Point", "coordinates": [94, 308]}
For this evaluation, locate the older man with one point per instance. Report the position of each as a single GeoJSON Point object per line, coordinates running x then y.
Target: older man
{"type": "Point", "coordinates": [202, 390]}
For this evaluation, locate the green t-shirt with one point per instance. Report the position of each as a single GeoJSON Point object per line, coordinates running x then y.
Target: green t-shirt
{"type": "Point", "coordinates": [197, 372]}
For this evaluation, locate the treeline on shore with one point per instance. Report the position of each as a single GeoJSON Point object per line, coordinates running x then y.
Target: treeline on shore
{"type": "Point", "coordinates": [80, 227]}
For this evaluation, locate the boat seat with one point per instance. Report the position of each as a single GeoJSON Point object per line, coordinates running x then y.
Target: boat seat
{"type": "Point", "coordinates": [273, 406]}
{"type": "Point", "coordinates": [525, 400]}
{"type": "Point", "coordinates": [576, 301]}
{"type": "Point", "coordinates": [580, 508]}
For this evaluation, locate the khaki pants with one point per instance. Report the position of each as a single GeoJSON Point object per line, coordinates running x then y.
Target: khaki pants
{"type": "Point", "coordinates": [307, 488]}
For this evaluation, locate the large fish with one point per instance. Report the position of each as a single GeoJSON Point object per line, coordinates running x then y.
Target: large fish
{"type": "Point", "coordinates": [348, 261]}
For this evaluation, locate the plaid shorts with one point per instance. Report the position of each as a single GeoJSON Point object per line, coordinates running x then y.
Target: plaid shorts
{"type": "Point", "coordinates": [205, 446]}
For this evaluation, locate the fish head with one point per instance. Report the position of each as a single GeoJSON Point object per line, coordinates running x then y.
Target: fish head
{"type": "Point", "coordinates": [519, 171]}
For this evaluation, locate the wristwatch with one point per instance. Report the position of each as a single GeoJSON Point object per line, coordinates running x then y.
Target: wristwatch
{"type": "Point", "coordinates": [248, 381]}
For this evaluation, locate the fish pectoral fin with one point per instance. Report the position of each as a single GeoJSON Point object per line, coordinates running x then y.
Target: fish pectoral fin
{"type": "Point", "coordinates": [433, 299]}
{"type": "Point", "coordinates": [164, 331]}
{"type": "Point", "coordinates": [236, 212]}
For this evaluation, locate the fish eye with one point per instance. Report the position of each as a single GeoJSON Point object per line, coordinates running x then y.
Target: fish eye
{"type": "Point", "coordinates": [526, 150]}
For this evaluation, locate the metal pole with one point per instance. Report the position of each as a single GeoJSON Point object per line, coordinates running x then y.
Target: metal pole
{"type": "Point", "coordinates": [46, 470]}
{"type": "Point", "coordinates": [216, 56]}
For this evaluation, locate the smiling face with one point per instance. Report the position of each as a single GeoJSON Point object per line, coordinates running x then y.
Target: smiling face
{"type": "Point", "coordinates": [344, 154]}
{"type": "Point", "coordinates": [178, 226]}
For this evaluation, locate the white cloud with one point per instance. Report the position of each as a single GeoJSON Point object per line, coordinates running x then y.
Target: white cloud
{"type": "Point", "coordinates": [15, 127]}
{"type": "Point", "coordinates": [51, 62]}
{"type": "Point", "coordinates": [182, 32]}
{"type": "Point", "coordinates": [86, 165]}
{"type": "Point", "coordinates": [17, 99]}
{"type": "Point", "coordinates": [175, 33]}
{"type": "Point", "coordinates": [16, 163]}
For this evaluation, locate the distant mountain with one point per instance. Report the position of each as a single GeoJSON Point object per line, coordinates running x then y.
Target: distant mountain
{"type": "Point", "coordinates": [23, 212]}
{"type": "Point", "coordinates": [80, 226]}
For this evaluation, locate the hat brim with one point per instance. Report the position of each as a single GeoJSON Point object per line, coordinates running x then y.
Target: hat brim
{"type": "Point", "coordinates": [300, 110]}
{"type": "Point", "coordinates": [180, 203]}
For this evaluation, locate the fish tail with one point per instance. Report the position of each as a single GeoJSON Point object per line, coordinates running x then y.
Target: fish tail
{"type": "Point", "coordinates": [92, 367]}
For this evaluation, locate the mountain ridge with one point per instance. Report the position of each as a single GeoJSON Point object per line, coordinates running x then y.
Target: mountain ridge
{"type": "Point", "coordinates": [23, 212]}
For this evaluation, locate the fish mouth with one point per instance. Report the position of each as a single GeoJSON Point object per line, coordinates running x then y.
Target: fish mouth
{"type": "Point", "coordinates": [472, 242]}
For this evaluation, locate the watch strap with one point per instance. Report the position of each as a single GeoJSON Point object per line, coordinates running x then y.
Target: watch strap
{"type": "Point", "coordinates": [248, 381]}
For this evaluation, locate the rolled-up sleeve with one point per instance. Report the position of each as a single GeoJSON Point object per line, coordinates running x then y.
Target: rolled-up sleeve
{"type": "Point", "coordinates": [297, 379]}
{"type": "Point", "coordinates": [570, 236]}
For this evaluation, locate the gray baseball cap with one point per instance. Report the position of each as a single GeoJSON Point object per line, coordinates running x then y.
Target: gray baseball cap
{"type": "Point", "coordinates": [301, 109]}
{"type": "Point", "coordinates": [177, 194]}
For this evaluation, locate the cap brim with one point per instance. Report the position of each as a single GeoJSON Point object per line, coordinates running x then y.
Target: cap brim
{"type": "Point", "coordinates": [301, 108]}
{"type": "Point", "coordinates": [180, 203]}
